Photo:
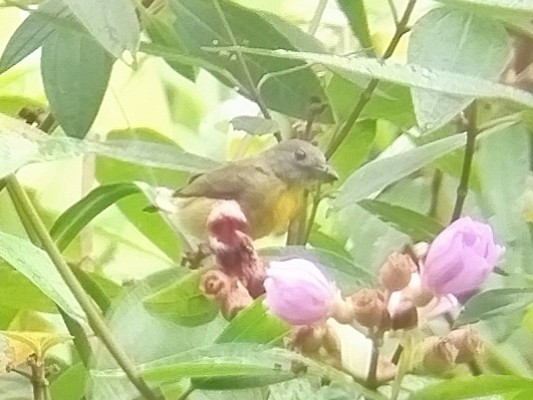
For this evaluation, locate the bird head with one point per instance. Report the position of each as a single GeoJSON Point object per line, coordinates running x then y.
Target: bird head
{"type": "Point", "coordinates": [298, 161]}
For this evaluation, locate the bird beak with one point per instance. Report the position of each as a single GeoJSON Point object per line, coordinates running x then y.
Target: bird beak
{"type": "Point", "coordinates": [327, 174]}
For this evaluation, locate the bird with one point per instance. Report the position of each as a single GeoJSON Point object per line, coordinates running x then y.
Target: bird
{"type": "Point", "coordinates": [269, 187]}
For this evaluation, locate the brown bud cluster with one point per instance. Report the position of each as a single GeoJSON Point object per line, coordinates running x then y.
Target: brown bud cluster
{"type": "Point", "coordinates": [395, 274]}
{"type": "Point", "coordinates": [369, 309]}
{"type": "Point", "coordinates": [227, 290]}
{"type": "Point", "coordinates": [467, 342]}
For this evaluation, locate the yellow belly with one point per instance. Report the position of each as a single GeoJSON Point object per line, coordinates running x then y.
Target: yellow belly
{"type": "Point", "coordinates": [279, 211]}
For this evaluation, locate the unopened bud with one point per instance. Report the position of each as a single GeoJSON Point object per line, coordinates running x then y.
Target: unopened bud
{"type": "Point", "coordinates": [402, 311]}
{"type": "Point", "coordinates": [419, 295]}
{"type": "Point", "coordinates": [368, 307]}
{"type": "Point", "coordinates": [395, 274]}
{"type": "Point", "coordinates": [467, 342]}
{"type": "Point", "coordinates": [439, 355]}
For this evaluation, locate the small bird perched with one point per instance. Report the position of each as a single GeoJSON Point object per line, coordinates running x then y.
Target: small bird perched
{"type": "Point", "coordinates": [268, 187]}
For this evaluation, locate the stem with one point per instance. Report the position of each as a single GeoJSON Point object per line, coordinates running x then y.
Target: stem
{"type": "Point", "coordinates": [364, 98]}
{"type": "Point", "coordinates": [319, 12]}
{"type": "Point", "coordinates": [371, 380]}
{"type": "Point", "coordinates": [256, 96]}
{"type": "Point", "coordinates": [38, 379]}
{"type": "Point", "coordinates": [317, 198]}
{"type": "Point", "coordinates": [394, 12]}
{"type": "Point", "coordinates": [435, 190]}
{"type": "Point", "coordinates": [471, 133]}
{"type": "Point", "coordinates": [94, 317]}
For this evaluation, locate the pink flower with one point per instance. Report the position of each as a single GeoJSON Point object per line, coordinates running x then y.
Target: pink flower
{"type": "Point", "coordinates": [297, 292]}
{"type": "Point", "coordinates": [460, 258]}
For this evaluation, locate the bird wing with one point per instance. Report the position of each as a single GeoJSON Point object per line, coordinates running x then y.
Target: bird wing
{"type": "Point", "coordinates": [228, 182]}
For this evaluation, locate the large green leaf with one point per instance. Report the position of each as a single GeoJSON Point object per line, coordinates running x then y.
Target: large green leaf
{"type": "Point", "coordinates": [475, 387]}
{"type": "Point", "coordinates": [348, 275]}
{"type": "Point", "coordinates": [31, 34]}
{"type": "Point", "coordinates": [73, 220]}
{"type": "Point", "coordinates": [22, 144]}
{"type": "Point", "coordinates": [71, 384]}
{"type": "Point", "coordinates": [254, 324]}
{"type": "Point", "coordinates": [35, 265]}
{"type": "Point", "coordinates": [495, 303]}
{"type": "Point", "coordinates": [353, 68]}
{"type": "Point", "coordinates": [481, 50]}
{"type": "Point", "coordinates": [355, 12]}
{"type": "Point", "coordinates": [113, 24]}
{"type": "Point", "coordinates": [497, 7]}
{"type": "Point", "coordinates": [376, 175]}
{"type": "Point", "coordinates": [20, 293]}
{"type": "Point", "coordinates": [75, 72]}
{"type": "Point", "coordinates": [199, 24]}
{"type": "Point", "coordinates": [225, 367]}
{"type": "Point", "coordinates": [390, 101]}
{"type": "Point", "coordinates": [182, 302]}
{"type": "Point", "coordinates": [418, 226]}
{"type": "Point", "coordinates": [505, 157]}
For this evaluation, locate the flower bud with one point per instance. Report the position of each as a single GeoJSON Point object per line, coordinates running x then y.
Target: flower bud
{"type": "Point", "coordinates": [227, 290]}
{"type": "Point", "coordinates": [395, 274]}
{"type": "Point", "coordinates": [297, 292]}
{"type": "Point", "coordinates": [460, 258]}
{"type": "Point", "coordinates": [439, 355]}
{"type": "Point", "coordinates": [368, 307]}
{"type": "Point", "coordinates": [402, 312]}
{"type": "Point", "coordinates": [467, 342]}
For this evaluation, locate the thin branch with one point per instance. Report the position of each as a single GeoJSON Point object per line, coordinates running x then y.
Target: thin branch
{"type": "Point", "coordinates": [394, 12]}
{"type": "Point", "coordinates": [253, 90]}
{"type": "Point", "coordinates": [94, 317]}
{"type": "Point", "coordinates": [317, 17]}
{"type": "Point", "coordinates": [471, 133]}
{"type": "Point", "coordinates": [435, 191]}
{"type": "Point", "coordinates": [364, 98]}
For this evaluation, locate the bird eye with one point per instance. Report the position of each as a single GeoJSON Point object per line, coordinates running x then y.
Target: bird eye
{"type": "Point", "coordinates": [300, 155]}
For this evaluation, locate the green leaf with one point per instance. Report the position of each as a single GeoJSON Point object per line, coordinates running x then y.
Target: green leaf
{"type": "Point", "coordinates": [482, 50]}
{"type": "Point", "coordinates": [348, 275]}
{"type": "Point", "coordinates": [73, 220]}
{"type": "Point", "coordinates": [71, 384]}
{"type": "Point", "coordinates": [113, 24]}
{"type": "Point", "coordinates": [515, 7]}
{"type": "Point", "coordinates": [31, 34]}
{"type": "Point", "coordinates": [21, 293]}
{"type": "Point", "coordinates": [224, 366]}
{"type": "Point", "coordinates": [355, 12]}
{"type": "Point", "coordinates": [254, 324]}
{"type": "Point", "coordinates": [505, 157]}
{"type": "Point", "coordinates": [230, 376]}
{"type": "Point", "coordinates": [474, 387]}
{"type": "Point", "coordinates": [198, 24]}
{"type": "Point", "coordinates": [11, 105]}
{"type": "Point", "coordinates": [22, 144]}
{"type": "Point", "coordinates": [378, 174]}
{"type": "Point", "coordinates": [418, 226]}
{"type": "Point", "coordinates": [254, 125]}
{"type": "Point", "coordinates": [182, 302]}
{"type": "Point", "coordinates": [494, 303]}
{"type": "Point", "coordinates": [35, 265]}
{"type": "Point", "coordinates": [161, 33]}
{"type": "Point", "coordinates": [353, 68]}
{"type": "Point", "coordinates": [390, 101]}
{"type": "Point", "coordinates": [75, 72]}
{"type": "Point", "coordinates": [355, 148]}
